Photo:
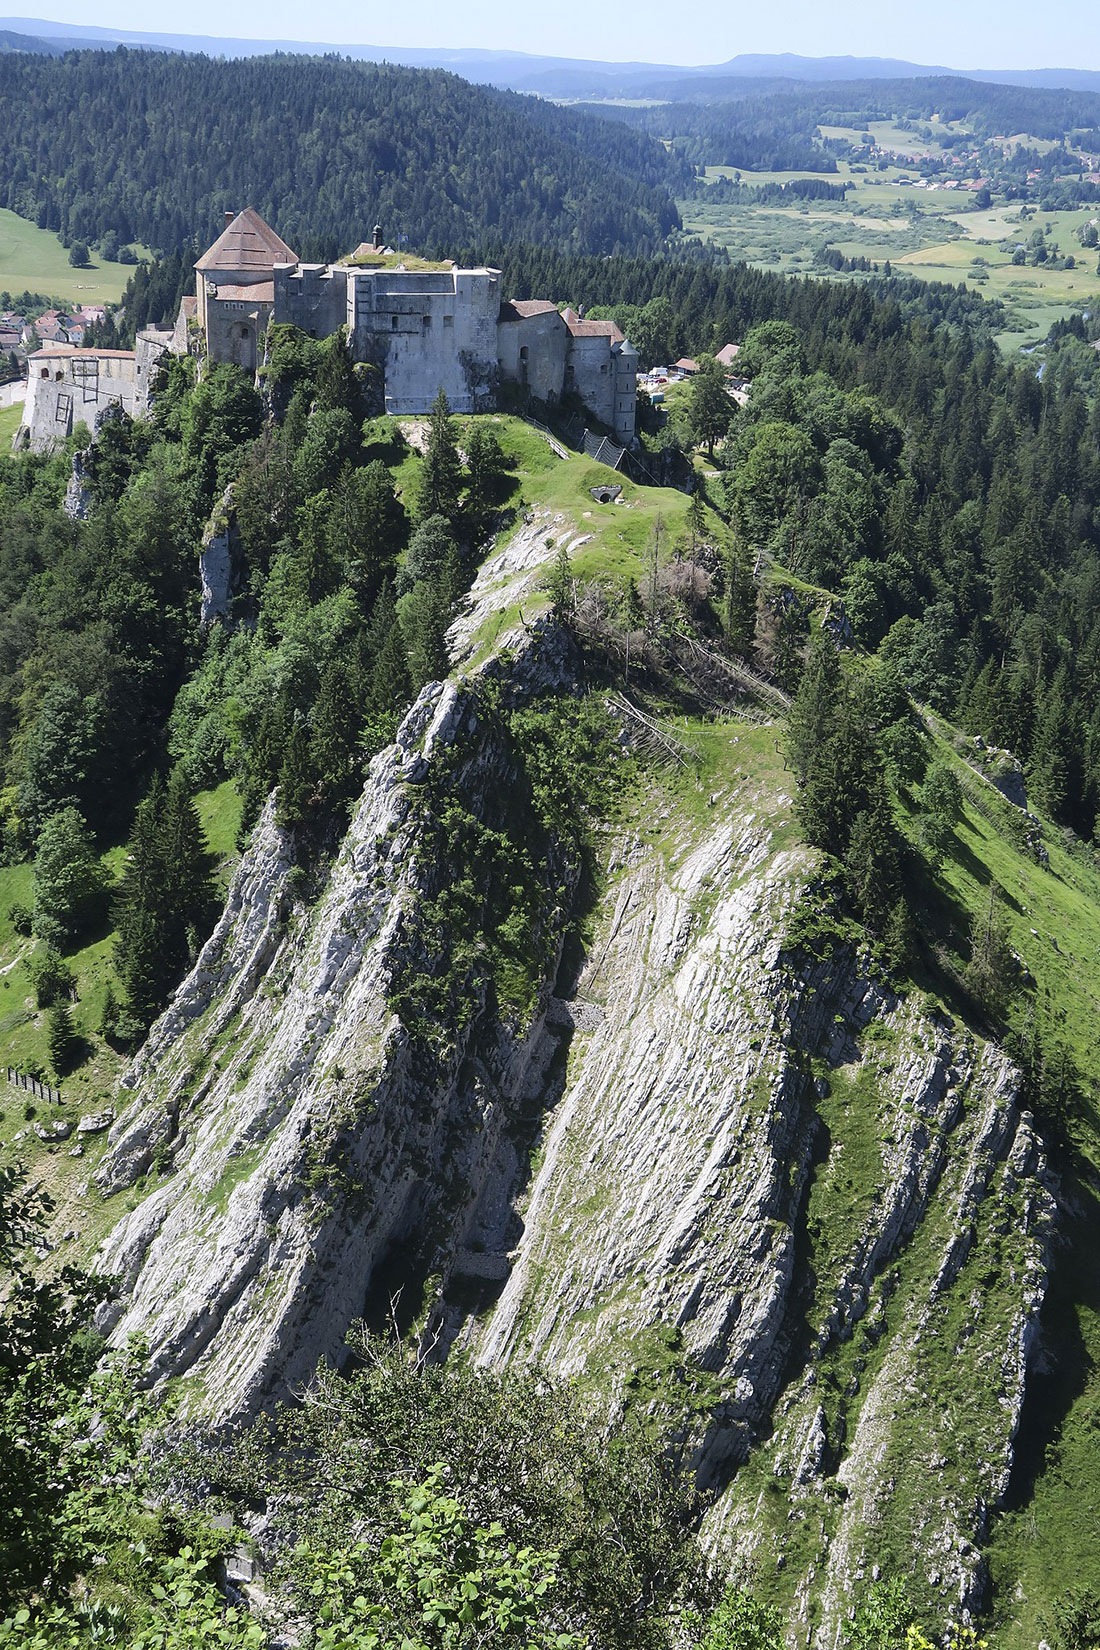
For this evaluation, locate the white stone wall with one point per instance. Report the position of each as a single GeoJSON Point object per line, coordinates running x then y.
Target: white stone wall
{"type": "Point", "coordinates": [626, 391]}
{"type": "Point", "coordinates": [432, 330]}
{"type": "Point", "coordinates": [545, 339]}
{"type": "Point", "coordinates": [62, 392]}
{"type": "Point", "coordinates": [590, 372]}
{"type": "Point", "coordinates": [149, 346]}
{"type": "Point", "coordinates": [312, 297]}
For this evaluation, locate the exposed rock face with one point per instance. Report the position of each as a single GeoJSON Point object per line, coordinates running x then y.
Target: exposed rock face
{"type": "Point", "coordinates": [825, 1203]}
{"type": "Point", "coordinates": [78, 499]}
{"type": "Point", "coordinates": [310, 1137]}
{"type": "Point", "coordinates": [829, 1196]}
{"type": "Point", "coordinates": [216, 561]}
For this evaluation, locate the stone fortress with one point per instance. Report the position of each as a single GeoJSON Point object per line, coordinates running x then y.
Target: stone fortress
{"type": "Point", "coordinates": [425, 326]}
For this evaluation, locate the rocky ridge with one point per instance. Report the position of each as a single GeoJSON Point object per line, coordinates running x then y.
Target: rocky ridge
{"type": "Point", "coordinates": [706, 1153]}
{"type": "Point", "coordinates": [303, 1134]}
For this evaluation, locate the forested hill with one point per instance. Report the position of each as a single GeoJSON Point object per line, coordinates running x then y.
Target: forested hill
{"type": "Point", "coordinates": [720, 122]}
{"type": "Point", "coordinates": [156, 147]}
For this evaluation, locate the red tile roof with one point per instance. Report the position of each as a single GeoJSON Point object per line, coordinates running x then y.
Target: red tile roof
{"type": "Point", "coordinates": [247, 243]}
{"type": "Point", "coordinates": [595, 329]}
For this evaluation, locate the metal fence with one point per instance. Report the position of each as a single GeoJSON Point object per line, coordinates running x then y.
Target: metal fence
{"type": "Point", "coordinates": [31, 1085]}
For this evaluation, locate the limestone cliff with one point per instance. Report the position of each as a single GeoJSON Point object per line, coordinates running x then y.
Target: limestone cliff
{"type": "Point", "coordinates": [706, 1153]}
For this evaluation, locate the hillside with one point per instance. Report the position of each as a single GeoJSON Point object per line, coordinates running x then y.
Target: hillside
{"type": "Point", "coordinates": [155, 147]}
{"type": "Point", "coordinates": [582, 1007]}
{"type": "Point", "coordinates": [693, 1150]}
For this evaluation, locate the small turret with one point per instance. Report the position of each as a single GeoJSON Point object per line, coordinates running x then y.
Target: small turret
{"type": "Point", "coordinates": [377, 233]}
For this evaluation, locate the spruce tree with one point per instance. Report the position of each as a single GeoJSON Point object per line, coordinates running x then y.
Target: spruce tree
{"type": "Point", "coordinates": [140, 960]}
{"type": "Point", "coordinates": [337, 386]}
{"type": "Point", "coordinates": [484, 467]}
{"type": "Point", "coordinates": [69, 881]}
{"type": "Point", "coordinates": [61, 1038]}
{"type": "Point", "coordinates": [710, 409]}
{"type": "Point", "coordinates": [424, 613]}
{"type": "Point", "coordinates": [337, 720]}
{"type": "Point", "coordinates": [812, 714]}
{"type": "Point", "coordinates": [188, 872]}
{"type": "Point", "coordinates": [390, 687]}
{"type": "Point", "coordinates": [440, 480]}
{"type": "Point", "coordinates": [740, 602]}
{"type": "Point", "coordinates": [991, 975]}
{"type": "Point", "coordinates": [297, 789]}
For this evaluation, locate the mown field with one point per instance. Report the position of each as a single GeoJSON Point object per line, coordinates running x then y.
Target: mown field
{"type": "Point", "coordinates": [34, 260]}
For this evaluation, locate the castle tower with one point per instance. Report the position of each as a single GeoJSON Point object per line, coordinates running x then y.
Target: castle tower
{"type": "Point", "coordinates": [235, 289]}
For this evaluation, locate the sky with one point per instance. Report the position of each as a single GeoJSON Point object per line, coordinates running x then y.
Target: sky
{"type": "Point", "coordinates": [960, 34]}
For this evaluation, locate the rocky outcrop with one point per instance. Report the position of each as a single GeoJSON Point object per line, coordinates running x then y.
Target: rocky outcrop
{"type": "Point", "coordinates": [804, 1189]}
{"type": "Point", "coordinates": [305, 1141]}
{"type": "Point", "coordinates": [216, 561]}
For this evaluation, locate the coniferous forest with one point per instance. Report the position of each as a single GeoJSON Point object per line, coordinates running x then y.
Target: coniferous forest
{"type": "Point", "coordinates": [154, 147]}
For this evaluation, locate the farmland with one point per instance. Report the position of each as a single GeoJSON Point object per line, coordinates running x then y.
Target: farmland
{"type": "Point", "coordinates": [34, 260]}
{"type": "Point", "coordinates": [935, 234]}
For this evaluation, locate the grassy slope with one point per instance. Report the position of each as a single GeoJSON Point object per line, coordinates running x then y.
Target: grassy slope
{"type": "Point", "coordinates": [10, 420]}
{"type": "Point", "coordinates": [34, 260]}
{"type": "Point", "coordinates": [1050, 1539]}
{"type": "Point", "coordinates": [620, 537]}
{"type": "Point", "coordinates": [23, 1027]}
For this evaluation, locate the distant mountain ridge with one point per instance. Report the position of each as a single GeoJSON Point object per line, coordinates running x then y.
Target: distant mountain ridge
{"type": "Point", "coordinates": [525, 71]}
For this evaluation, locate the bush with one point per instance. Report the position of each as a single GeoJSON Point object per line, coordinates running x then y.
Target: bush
{"type": "Point", "coordinates": [21, 917]}
{"type": "Point", "coordinates": [53, 980]}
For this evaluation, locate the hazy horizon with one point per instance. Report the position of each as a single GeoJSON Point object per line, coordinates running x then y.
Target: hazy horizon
{"type": "Point", "coordinates": [698, 33]}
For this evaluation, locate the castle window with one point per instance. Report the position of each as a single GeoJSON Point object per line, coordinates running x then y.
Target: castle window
{"type": "Point", "coordinates": [427, 323]}
{"type": "Point", "coordinates": [393, 323]}
{"type": "Point", "coordinates": [448, 320]}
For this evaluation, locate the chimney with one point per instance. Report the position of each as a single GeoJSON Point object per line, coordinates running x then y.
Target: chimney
{"type": "Point", "coordinates": [378, 234]}
{"type": "Point", "coordinates": [229, 216]}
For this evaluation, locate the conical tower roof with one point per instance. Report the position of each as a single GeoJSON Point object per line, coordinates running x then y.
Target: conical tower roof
{"type": "Point", "coordinates": [248, 243]}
